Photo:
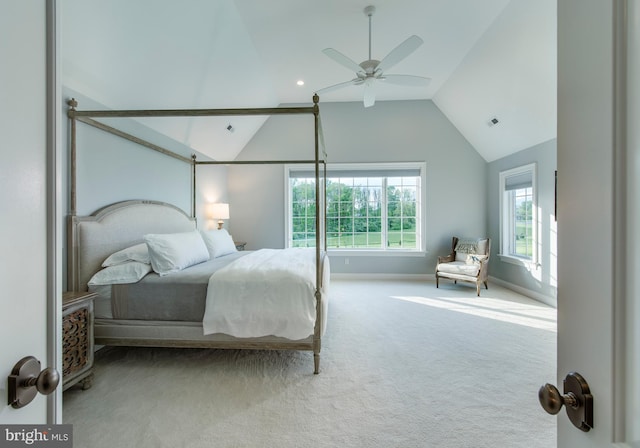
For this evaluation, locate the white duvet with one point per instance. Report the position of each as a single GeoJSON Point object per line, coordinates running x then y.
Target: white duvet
{"type": "Point", "coordinates": [269, 292]}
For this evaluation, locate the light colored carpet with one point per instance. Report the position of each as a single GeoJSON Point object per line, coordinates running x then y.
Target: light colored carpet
{"type": "Point", "coordinates": [403, 364]}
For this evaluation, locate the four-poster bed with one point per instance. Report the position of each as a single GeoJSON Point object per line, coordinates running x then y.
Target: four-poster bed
{"type": "Point", "coordinates": [159, 310]}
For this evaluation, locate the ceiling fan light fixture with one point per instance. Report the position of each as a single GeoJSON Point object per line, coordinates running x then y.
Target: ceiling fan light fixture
{"type": "Point", "coordinates": [371, 70]}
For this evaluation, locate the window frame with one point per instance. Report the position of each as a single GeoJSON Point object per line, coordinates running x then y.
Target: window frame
{"type": "Point", "coordinates": [507, 218]}
{"type": "Point", "coordinates": [391, 166]}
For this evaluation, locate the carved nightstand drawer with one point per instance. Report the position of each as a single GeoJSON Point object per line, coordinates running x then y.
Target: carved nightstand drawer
{"type": "Point", "coordinates": [77, 339]}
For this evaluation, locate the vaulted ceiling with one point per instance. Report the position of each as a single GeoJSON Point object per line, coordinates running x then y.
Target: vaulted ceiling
{"type": "Point", "coordinates": [486, 59]}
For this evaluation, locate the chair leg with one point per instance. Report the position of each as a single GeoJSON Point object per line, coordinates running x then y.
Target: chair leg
{"type": "Point", "coordinates": [478, 288]}
{"type": "Point", "coordinates": [437, 281]}
{"type": "Point", "coordinates": [485, 285]}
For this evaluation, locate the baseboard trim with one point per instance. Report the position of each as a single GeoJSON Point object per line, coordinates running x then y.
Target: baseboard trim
{"type": "Point", "coordinates": [380, 276]}
{"type": "Point", "coordinates": [548, 300]}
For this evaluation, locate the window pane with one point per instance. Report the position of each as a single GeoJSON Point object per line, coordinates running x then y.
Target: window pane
{"type": "Point", "coordinates": [409, 240]}
{"type": "Point", "coordinates": [311, 224]}
{"type": "Point", "coordinates": [298, 225]}
{"type": "Point", "coordinates": [523, 222]}
{"type": "Point", "coordinates": [346, 224]}
{"type": "Point", "coordinates": [346, 239]}
{"type": "Point", "coordinates": [408, 224]}
{"type": "Point", "coordinates": [361, 240]}
{"type": "Point", "coordinates": [375, 240]}
{"type": "Point", "coordinates": [360, 225]}
{"type": "Point", "coordinates": [304, 239]}
{"type": "Point", "coordinates": [332, 239]}
{"type": "Point", "coordinates": [409, 194]}
{"type": "Point", "coordinates": [374, 208]}
{"type": "Point", "coordinates": [394, 224]}
{"type": "Point", "coordinates": [394, 240]}
{"type": "Point", "coordinates": [374, 225]}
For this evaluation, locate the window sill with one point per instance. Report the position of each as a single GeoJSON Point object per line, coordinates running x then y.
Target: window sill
{"type": "Point", "coordinates": [529, 264]}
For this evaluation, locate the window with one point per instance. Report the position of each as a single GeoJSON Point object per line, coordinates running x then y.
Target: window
{"type": "Point", "coordinates": [369, 207]}
{"type": "Point", "coordinates": [518, 214]}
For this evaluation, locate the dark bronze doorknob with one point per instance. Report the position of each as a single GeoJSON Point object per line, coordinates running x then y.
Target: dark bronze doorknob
{"type": "Point", "coordinates": [577, 400]}
{"type": "Point", "coordinates": [552, 401]}
{"type": "Point", "coordinates": [26, 380]}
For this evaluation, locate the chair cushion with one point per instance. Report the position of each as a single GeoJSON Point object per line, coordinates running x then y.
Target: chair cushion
{"type": "Point", "coordinates": [459, 267]}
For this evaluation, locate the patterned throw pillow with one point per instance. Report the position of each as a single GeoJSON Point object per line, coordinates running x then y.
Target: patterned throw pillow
{"type": "Point", "coordinates": [475, 258]}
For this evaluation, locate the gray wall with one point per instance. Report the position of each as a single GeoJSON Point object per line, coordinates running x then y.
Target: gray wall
{"type": "Point", "coordinates": [111, 169]}
{"type": "Point", "coordinates": [543, 280]}
{"type": "Point", "coordinates": [391, 131]}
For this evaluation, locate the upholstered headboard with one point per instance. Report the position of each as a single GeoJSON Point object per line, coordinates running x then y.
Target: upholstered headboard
{"type": "Point", "coordinates": [91, 239]}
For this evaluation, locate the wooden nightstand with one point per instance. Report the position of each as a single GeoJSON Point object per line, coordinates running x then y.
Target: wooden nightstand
{"type": "Point", "coordinates": [77, 339]}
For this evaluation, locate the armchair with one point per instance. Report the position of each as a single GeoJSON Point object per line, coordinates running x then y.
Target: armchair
{"type": "Point", "coordinates": [467, 262]}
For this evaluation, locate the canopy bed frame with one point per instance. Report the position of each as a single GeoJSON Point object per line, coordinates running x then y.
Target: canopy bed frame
{"type": "Point", "coordinates": [92, 238]}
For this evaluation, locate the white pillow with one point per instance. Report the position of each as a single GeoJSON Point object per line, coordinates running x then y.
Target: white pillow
{"type": "Point", "coordinates": [139, 252]}
{"type": "Point", "coordinates": [128, 272]}
{"type": "Point", "coordinates": [219, 243]}
{"type": "Point", "coordinates": [172, 252]}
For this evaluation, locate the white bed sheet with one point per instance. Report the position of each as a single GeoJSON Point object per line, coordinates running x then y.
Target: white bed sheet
{"type": "Point", "coordinates": [270, 292]}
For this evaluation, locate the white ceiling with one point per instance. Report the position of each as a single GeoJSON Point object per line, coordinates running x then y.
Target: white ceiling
{"type": "Point", "coordinates": [486, 58]}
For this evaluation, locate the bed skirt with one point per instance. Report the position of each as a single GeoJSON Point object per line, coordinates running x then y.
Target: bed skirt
{"type": "Point", "coordinates": [183, 334]}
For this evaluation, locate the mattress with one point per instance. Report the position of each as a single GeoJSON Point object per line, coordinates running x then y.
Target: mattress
{"type": "Point", "coordinates": [179, 296]}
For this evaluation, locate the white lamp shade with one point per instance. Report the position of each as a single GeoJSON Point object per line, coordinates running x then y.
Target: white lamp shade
{"type": "Point", "coordinates": [220, 211]}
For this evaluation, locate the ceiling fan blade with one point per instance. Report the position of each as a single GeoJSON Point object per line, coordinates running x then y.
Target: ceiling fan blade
{"type": "Point", "coordinates": [343, 60]}
{"type": "Point", "coordinates": [405, 80]}
{"type": "Point", "coordinates": [369, 97]}
{"type": "Point", "coordinates": [399, 53]}
{"type": "Point", "coordinates": [338, 86]}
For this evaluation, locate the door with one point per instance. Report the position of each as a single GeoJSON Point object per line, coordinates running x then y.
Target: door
{"type": "Point", "coordinates": [28, 178]}
{"type": "Point", "coordinates": [598, 250]}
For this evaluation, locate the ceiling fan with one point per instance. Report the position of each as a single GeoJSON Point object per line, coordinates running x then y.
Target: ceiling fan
{"type": "Point", "coordinates": [371, 71]}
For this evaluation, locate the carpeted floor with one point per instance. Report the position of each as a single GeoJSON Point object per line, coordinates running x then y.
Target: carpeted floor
{"type": "Point", "coordinates": [403, 364]}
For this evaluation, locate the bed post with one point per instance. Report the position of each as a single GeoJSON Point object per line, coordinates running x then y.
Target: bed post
{"type": "Point", "coordinates": [72, 169]}
{"type": "Point", "coordinates": [318, 325]}
{"type": "Point", "coordinates": [72, 256]}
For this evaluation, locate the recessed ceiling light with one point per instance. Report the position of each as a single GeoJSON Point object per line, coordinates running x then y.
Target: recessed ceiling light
{"type": "Point", "coordinates": [300, 82]}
